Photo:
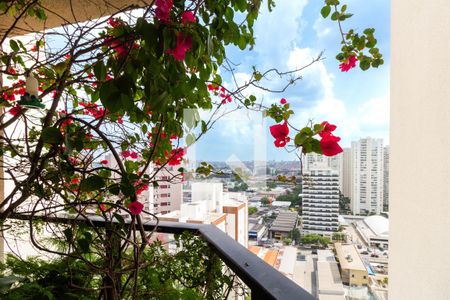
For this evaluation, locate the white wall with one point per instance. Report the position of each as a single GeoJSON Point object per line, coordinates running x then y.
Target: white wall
{"type": "Point", "coordinates": [419, 262]}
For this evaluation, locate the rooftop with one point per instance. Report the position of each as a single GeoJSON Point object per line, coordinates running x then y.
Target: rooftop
{"type": "Point", "coordinates": [349, 257]}
{"type": "Point", "coordinates": [285, 221]}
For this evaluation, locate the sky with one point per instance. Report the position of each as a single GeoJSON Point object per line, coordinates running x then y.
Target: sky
{"type": "Point", "coordinates": [287, 38]}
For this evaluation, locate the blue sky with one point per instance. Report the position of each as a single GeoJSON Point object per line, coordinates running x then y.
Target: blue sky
{"type": "Point", "coordinates": [289, 37]}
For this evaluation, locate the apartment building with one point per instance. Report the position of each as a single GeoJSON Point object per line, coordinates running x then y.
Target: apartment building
{"type": "Point", "coordinates": [336, 163]}
{"type": "Point", "coordinates": [367, 176]}
{"type": "Point", "coordinates": [320, 188]}
{"type": "Point", "coordinates": [210, 205]}
{"type": "Point", "coordinates": [347, 172]}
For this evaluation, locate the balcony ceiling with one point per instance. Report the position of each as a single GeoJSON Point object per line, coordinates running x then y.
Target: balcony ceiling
{"type": "Point", "coordinates": [60, 12]}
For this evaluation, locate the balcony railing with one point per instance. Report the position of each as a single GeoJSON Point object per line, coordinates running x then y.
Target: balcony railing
{"type": "Point", "coordinates": [263, 280]}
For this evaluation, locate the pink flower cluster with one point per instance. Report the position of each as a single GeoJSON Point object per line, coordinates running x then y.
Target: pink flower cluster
{"type": "Point", "coordinates": [183, 42]}
{"type": "Point", "coordinates": [221, 92]}
{"type": "Point", "coordinates": [129, 154]}
{"type": "Point", "coordinates": [93, 109]}
{"type": "Point", "coordinates": [348, 64]}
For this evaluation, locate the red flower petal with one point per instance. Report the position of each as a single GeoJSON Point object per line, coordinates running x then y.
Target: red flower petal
{"type": "Point", "coordinates": [188, 17]}
{"type": "Point", "coordinates": [135, 207]}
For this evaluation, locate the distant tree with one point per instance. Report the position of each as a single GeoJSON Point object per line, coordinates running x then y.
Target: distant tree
{"type": "Point", "coordinates": [315, 239]}
{"type": "Point", "coordinates": [295, 235]}
{"type": "Point", "coordinates": [271, 184]}
{"type": "Point", "coordinates": [287, 241]}
{"type": "Point", "coordinates": [239, 187]}
{"type": "Point", "coordinates": [292, 196]}
{"type": "Point", "coordinates": [252, 210]}
{"type": "Point", "coordinates": [265, 201]}
{"type": "Point", "coordinates": [338, 236]}
{"type": "Point", "coordinates": [344, 204]}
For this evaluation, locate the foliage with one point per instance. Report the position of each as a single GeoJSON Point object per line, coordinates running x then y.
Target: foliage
{"type": "Point", "coordinates": [353, 44]}
{"type": "Point", "coordinates": [265, 201]}
{"type": "Point", "coordinates": [194, 272]}
{"type": "Point", "coordinates": [338, 236]}
{"type": "Point", "coordinates": [295, 235]}
{"type": "Point", "coordinates": [292, 196]}
{"type": "Point", "coordinates": [271, 185]}
{"type": "Point", "coordinates": [287, 241]}
{"type": "Point", "coordinates": [315, 239]}
{"type": "Point", "coordinates": [252, 210]}
{"type": "Point", "coordinates": [239, 186]}
{"type": "Point", "coordinates": [344, 204]}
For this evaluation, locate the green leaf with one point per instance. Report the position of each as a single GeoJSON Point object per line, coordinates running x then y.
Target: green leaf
{"type": "Point", "coordinates": [190, 139]}
{"type": "Point", "coordinates": [335, 16]}
{"type": "Point", "coordinates": [52, 135]}
{"type": "Point", "coordinates": [83, 244]}
{"type": "Point", "coordinates": [92, 183]}
{"type": "Point", "coordinates": [300, 139]}
{"type": "Point", "coordinates": [14, 46]}
{"type": "Point", "coordinates": [325, 11]}
{"type": "Point", "coordinates": [315, 144]}
{"type": "Point", "coordinates": [100, 70]}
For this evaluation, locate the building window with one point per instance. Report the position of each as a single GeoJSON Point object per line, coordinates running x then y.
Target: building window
{"type": "Point", "coordinates": [164, 203]}
{"type": "Point", "coordinates": [365, 277]}
{"type": "Point", "coordinates": [353, 275]}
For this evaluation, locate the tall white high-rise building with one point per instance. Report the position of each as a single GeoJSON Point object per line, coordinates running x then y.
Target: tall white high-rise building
{"type": "Point", "coordinates": [386, 178]}
{"type": "Point", "coordinates": [367, 176]}
{"type": "Point", "coordinates": [314, 161]}
{"type": "Point", "coordinates": [347, 172]}
{"type": "Point", "coordinates": [320, 204]}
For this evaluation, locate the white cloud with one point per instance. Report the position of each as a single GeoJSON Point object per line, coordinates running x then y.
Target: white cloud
{"type": "Point", "coordinates": [374, 112]}
{"type": "Point", "coordinates": [276, 32]}
{"type": "Point", "coordinates": [315, 75]}
{"type": "Point", "coordinates": [320, 28]}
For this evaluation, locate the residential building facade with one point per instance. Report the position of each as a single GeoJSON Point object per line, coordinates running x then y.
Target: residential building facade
{"type": "Point", "coordinates": [320, 205]}
{"type": "Point", "coordinates": [367, 176]}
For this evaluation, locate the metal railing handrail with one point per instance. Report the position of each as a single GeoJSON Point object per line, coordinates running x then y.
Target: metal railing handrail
{"type": "Point", "coordinates": [264, 281]}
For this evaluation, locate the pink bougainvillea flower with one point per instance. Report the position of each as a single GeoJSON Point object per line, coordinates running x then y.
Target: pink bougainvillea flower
{"type": "Point", "coordinates": [162, 11]}
{"type": "Point", "coordinates": [75, 180]}
{"type": "Point", "coordinates": [327, 129]}
{"type": "Point", "coordinates": [283, 101]}
{"type": "Point", "coordinates": [184, 44]}
{"type": "Point", "coordinates": [280, 133]}
{"type": "Point", "coordinates": [104, 162]}
{"type": "Point", "coordinates": [115, 22]}
{"type": "Point", "coordinates": [90, 75]}
{"type": "Point", "coordinates": [141, 188]}
{"type": "Point", "coordinates": [188, 17]}
{"type": "Point", "coordinates": [211, 87]}
{"type": "Point", "coordinates": [135, 207]}
{"type": "Point", "coordinates": [102, 207]}
{"type": "Point", "coordinates": [348, 64]}
{"type": "Point", "coordinates": [329, 145]}
{"type": "Point", "coordinates": [176, 156]}
{"type": "Point", "coordinates": [126, 153]}
{"type": "Point", "coordinates": [12, 71]}
{"type": "Point", "coordinates": [34, 48]}
{"type": "Point", "coordinates": [8, 96]}
{"type": "Point", "coordinates": [15, 110]}
{"type": "Point", "coordinates": [134, 155]}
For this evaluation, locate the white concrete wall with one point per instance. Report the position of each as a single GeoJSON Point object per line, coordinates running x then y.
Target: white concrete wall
{"type": "Point", "coordinates": [419, 261]}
